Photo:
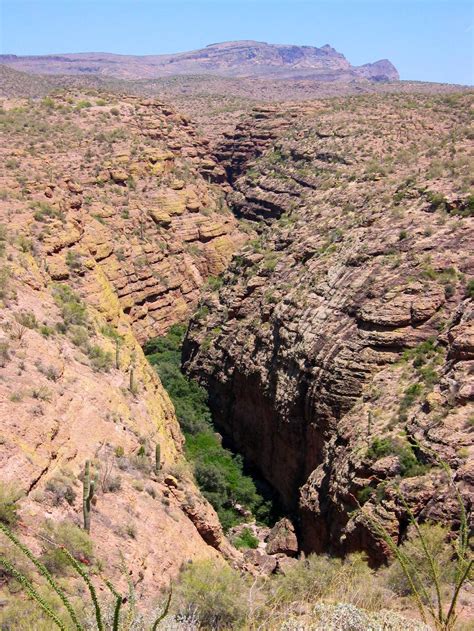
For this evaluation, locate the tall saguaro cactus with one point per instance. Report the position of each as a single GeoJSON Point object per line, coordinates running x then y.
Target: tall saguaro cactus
{"type": "Point", "coordinates": [88, 489]}
{"type": "Point", "coordinates": [157, 458]}
{"type": "Point", "coordinates": [117, 353]}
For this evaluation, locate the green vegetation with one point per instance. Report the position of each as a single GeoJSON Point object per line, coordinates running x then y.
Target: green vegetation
{"type": "Point", "coordinates": [73, 310]}
{"type": "Point", "coordinates": [59, 535]}
{"type": "Point", "coordinates": [10, 494]}
{"type": "Point", "coordinates": [425, 359]}
{"type": "Point", "coordinates": [218, 472]}
{"type": "Point", "coordinates": [61, 487]}
{"type": "Point", "coordinates": [409, 464]}
{"type": "Point", "coordinates": [76, 323]}
{"type": "Point", "coordinates": [217, 593]}
{"type": "Point", "coordinates": [470, 288]}
{"type": "Point", "coordinates": [246, 539]}
{"type": "Point", "coordinates": [431, 567]}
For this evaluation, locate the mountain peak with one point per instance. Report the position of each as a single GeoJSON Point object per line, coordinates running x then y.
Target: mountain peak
{"type": "Point", "coordinates": [241, 58]}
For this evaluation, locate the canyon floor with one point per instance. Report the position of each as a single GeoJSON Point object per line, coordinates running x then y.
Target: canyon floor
{"type": "Point", "coordinates": [318, 255]}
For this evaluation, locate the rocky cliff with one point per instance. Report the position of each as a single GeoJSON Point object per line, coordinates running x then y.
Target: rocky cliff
{"type": "Point", "coordinates": [110, 224]}
{"type": "Point", "coordinates": [338, 351]}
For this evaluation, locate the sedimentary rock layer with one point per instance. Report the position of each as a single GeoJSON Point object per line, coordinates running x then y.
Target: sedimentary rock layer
{"type": "Point", "coordinates": [342, 333]}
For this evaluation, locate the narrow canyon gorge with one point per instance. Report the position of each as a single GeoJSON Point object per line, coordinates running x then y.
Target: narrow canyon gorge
{"type": "Point", "coordinates": [320, 255]}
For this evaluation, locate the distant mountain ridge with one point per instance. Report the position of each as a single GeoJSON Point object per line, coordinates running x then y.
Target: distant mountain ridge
{"type": "Point", "coordinates": [245, 58]}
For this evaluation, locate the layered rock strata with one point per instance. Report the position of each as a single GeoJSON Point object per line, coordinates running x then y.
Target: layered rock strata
{"type": "Point", "coordinates": [342, 335]}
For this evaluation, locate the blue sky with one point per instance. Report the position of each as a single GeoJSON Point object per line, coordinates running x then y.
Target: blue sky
{"type": "Point", "coordinates": [429, 40]}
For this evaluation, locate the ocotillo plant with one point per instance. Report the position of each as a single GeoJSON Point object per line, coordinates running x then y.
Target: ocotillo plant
{"type": "Point", "coordinates": [157, 458]}
{"type": "Point", "coordinates": [441, 608]}
{"type": "Point", "coordinates": [88, 487]}
{"type": "Point", "coordinates": [55, 613]}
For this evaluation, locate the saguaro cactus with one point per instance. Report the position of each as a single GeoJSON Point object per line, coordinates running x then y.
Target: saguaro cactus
{"type": "Point", "coordinates": [117, 353]}
{"type": "Point", "coordinates": [88, 488]}
{"type": "Point", "coordinates": [132, 381]}
{"type": "Point", "coordinates": [157, 458]}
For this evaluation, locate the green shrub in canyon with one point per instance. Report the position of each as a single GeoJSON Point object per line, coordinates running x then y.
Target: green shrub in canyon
{"type": "Point", "coordinates": [219, 473]}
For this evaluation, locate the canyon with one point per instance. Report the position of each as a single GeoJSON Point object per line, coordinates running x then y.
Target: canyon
{"type": "Point", "coordinates": [322, 253]}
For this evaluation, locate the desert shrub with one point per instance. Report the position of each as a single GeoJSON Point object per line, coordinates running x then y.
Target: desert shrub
{"type": "Point", "coordinates": [140, 463]}
{"type": "Point", "coordinates": [364, 495]}
{"type": "Point", "coordinates": [470, 288]}
{"type": "Point", "coordinates": [80, 105]}
{"type": "Point", "coordinates": [100, 359]}
{"type": "Point", "coordinates": [437, 200]}
{"type": "Point", "coordinates": [214, 283]}
{"type": "Point", "coordinates": [74, 261]}
{"type": "Point", "coordinates": [5, 275]}
{"type": "Point", "coordinates": [10, 494]}
{"type": "Point", "coordinates": [27, 318]}
{"type": "Point", "coordinates": [4, 353]}
{"type": "Point", "coordinates": [217, 594]}
{"type": "Point", "coordinates": [79, 335]}
{"type": "Point", "coordinates": [308, 580]}
{"type": "Point", "coordinates": [43, 212]}
{"type": "Point", "coordinates": [19, 614]}
{"type": "Point", "coordinates": [112, 484]}
{"type": "Point", "coordinates": [61, 488]}
{"type": "Point", "coordinates": [423, 353]}
{"type": "Point", "coordinates": [320, 577]}
{"type": "Point", "coordinates": [409, 397]}
{"type": "Point", "coordinates": [246, 539]}
{"type": "Point", "coordinates": [388, 446]}
{"type": "Point", "coordinates": [73, 310]}
{"type": "Point", "coordinates": [348, 617]}
{"type": "Point", "coordinates": [67, 535]}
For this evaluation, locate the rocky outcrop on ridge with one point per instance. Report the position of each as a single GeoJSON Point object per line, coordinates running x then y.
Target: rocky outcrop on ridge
{"type": "Point", "coordinates": [338, 350]}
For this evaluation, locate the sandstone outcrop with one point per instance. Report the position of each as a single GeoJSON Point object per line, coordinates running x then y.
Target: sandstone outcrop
{"type": "Point", "coordinates": [341, 335]}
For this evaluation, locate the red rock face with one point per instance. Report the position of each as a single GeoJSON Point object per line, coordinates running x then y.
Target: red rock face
{"type": "Point", "coordinates": [348, 318]}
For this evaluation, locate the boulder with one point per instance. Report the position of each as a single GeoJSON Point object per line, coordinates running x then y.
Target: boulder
{"type": "Point", "coordinates": [282, 538]}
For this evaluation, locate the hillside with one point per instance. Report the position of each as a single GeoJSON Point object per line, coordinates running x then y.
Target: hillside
{"type": "Point", "coordinates": [110, 224]}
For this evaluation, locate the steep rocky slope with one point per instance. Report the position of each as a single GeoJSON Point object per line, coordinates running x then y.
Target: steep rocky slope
{"type": "Point", "coordinates": [128, 181]}
{"type": "Point", "coordinates": [110, 224]}
{"type": "Point", "coordinates": [342, 334]}
{"type": "Point", "coordinates": [234, 59]}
